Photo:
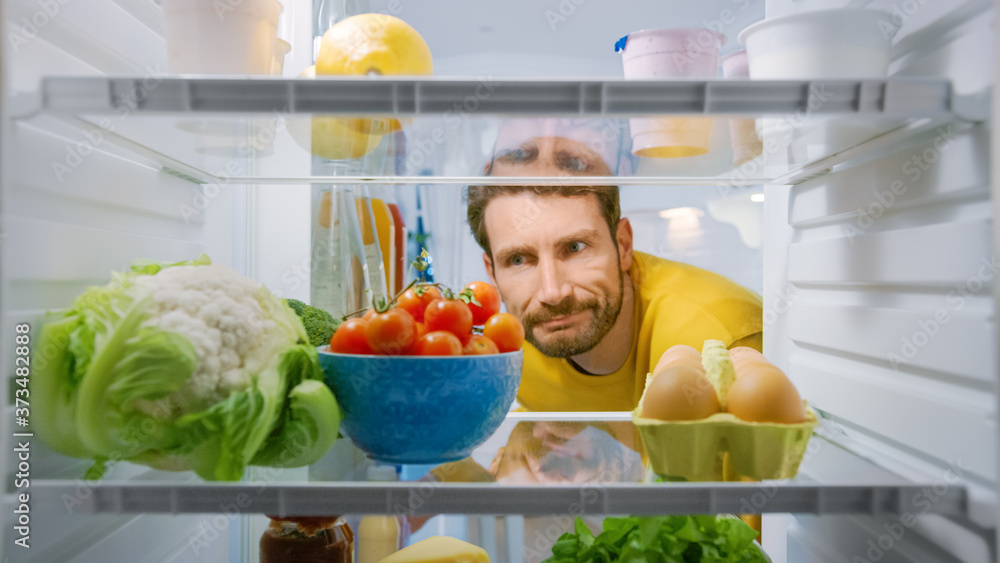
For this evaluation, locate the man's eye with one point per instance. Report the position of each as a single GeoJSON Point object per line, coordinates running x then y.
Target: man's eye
{"type": "Point", "coordinates": [519, 155]}
{"type": "Point", "coordinates": [576, 246]}
{"type": "Point", "coordinates": [516, 260]}
{"type": "Point", "coordinates": [572, 164]}
{"type": "Point", "coordinates": [576, 165]}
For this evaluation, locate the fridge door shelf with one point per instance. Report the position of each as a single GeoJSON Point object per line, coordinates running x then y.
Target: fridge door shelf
{"type": "Point", "coordinates": [612, 480]}
{"type": "Point", "coordinates": [265, 130]}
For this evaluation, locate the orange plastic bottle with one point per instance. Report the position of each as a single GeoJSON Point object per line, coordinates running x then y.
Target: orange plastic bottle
{"type": "Point", "coordinates": [399, 242]}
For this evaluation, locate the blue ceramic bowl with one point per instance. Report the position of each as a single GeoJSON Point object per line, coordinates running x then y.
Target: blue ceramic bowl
{"type": "Point", "coordinates": [420, 409]}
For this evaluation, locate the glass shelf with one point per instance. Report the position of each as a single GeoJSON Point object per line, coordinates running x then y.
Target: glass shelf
{"type": "Point", "coordinates": [535, 464]}
{"type": "Point", "coordinates": [403, 131]}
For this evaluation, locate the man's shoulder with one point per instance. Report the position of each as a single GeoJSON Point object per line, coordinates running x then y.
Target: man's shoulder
{"type": "Point", "coordinates": [666, 281]}
{"type": "Point", "coordinates": [659, 275]}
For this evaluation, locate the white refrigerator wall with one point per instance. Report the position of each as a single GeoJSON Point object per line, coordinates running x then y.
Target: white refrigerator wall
{"type": "Point", "coordinates": [878, 283]}
{"type": "Point", "coordinates": [74, 209]}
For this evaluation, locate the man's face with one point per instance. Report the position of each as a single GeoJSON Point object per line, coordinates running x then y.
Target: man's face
{"type": "Point", "coordinates": [557, 269]}
{"type": "Point", "coordinates": [549, 156]}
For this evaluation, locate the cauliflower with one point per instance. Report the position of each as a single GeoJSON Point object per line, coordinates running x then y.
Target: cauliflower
{"type": "Point", "coordinates": [183, 366]}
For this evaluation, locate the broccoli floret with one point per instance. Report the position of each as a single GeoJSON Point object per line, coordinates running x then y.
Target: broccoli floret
{"type": "Point", "coordinates": [319, 324]}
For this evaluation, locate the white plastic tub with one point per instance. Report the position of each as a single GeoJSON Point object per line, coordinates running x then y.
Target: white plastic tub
{"type": "Point", "coordinates": [846, 43]}
{"type": "Point", "coordinates": [221, 37]}
{"type": "Point", "coordinates": [671, 53]}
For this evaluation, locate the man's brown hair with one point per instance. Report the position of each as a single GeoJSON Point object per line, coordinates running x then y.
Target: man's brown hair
{"type": "Point", "coordinates": [478, 197]}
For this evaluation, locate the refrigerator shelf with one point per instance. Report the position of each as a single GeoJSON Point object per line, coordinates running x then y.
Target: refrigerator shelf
{"type": "Point", "coordinates": [417, 96]}
{"type": "Point", "coordinates": [265, 130]}
{"type": "Point", "coordinates": [425, 498]}
{"type": "Point", "coordinates": [831, 480]}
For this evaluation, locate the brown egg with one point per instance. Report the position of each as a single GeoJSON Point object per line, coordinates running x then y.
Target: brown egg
{"type": "Point", "coordinates": [762, 393]}
{"type": "Point", "coordinates": [742, 354]}
{"type": "Point", "coordinates": [682, 353]}
{"type": "Point", "coordinates": [749, 364]}
{"type": "Point", "coordinates": [680, 392]}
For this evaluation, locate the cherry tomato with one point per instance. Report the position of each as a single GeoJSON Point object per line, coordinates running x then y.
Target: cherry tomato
{"type": "Point", "coordinates": [480, 345]}
{"type": "Point", "coordinates": [393, 332]}
{"type": "Point", "coordinates": [438, 343]}
{"type": "Point", "coordinates": [415, 304]}
{"type": "Point", "coordinates": [350, 338]}
{"type": "Point", "coordinates": [369, 314]}
{"type": "Point", "coordinates": [489, 299]}
{"type": "Point", "coordinates": [506, 331]}
{"type": "Point", "coordinates": [421, 330]}
{"type": "Point", "coordinates": [451, 315]}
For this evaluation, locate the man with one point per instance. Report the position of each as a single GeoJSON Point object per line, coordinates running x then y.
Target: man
{"type": "Point", "coordinates": [597, 315]}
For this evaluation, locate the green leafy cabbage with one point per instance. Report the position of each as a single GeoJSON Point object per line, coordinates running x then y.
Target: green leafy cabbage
{"type": "Point", "coordinates": [181, 366]}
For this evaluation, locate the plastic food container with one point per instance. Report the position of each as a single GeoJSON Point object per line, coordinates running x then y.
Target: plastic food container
{"type": "Point", "coordinates": [221, 37]}
{"type": "Point", "coordinates": [848, 43]}
{"type": "Point", "coordinates": [746, 142]}
{"type": "Point", "coordinates": [696, 449]}
{"type": "Point", "coordinates": [281, 48]}
{"type": "Point", "coordinates": [671, 53]}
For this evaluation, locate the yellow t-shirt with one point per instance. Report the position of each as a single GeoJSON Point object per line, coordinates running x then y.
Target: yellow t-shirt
{"type": "Point", "coordinates": [675, 303]}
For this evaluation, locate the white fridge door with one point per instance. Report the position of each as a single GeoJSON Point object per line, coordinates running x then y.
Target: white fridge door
{"type": "Point", "coordinates": [878, 288]}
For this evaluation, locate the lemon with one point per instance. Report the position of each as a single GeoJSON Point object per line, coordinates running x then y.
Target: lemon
{"type": "Point", "coordinates": [333, 138]}
{"type": "Point", "coordinates": [373, 44]}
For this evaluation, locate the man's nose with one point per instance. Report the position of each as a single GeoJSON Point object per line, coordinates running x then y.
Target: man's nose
{"type": "Point", "coordinates": [555, 288]}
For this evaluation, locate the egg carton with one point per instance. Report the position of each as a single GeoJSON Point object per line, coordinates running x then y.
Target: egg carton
{"type": "Point", "coordinates": [696, 450]}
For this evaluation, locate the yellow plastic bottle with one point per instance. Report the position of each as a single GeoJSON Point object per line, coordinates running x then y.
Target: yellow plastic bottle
{"type": "Point", "coordinates": [386, 228]}
{"type": "Point", "coordinates": [378, 534]}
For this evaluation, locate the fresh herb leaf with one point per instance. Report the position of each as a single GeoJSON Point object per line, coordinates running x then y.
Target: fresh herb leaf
{"type": "Point", "coordinates": [660, 539]}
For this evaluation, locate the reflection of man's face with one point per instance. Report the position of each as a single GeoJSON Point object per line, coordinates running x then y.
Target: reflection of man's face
{"type": "Point", "coordinates": [557, 268]}
{"type": "Point", "coordinates": [549, 156]}
{"type": "Point", "coordinates": [565, 451]}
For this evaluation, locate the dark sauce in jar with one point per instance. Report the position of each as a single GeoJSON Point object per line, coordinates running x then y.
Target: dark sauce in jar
{"type": "Point", "coordinates": [307, 539]}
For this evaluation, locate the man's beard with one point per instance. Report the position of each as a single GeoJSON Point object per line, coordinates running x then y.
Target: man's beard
{"type": "Point", "coordinates": [564, 347]}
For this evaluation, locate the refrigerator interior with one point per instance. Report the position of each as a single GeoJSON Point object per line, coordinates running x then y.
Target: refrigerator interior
{"type": "Point", "coordinates": [877, 266]}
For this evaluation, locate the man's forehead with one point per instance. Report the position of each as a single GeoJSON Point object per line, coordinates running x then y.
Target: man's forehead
{"type": "Point", "coordinates": [527, 205]}
{"type": "Point", "coordinates": [527, 213]}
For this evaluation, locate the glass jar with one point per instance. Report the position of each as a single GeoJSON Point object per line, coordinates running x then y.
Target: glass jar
{"type": "Point", "coordinates": [307, 539]}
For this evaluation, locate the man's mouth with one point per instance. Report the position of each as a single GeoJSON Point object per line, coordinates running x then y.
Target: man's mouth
{"type": "Point", "coordinates": [561, 320]}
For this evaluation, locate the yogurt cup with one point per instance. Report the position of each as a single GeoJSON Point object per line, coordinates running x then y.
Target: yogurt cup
{"type": "Point", "coordinates": [281, 48]}
{"type": "Point", "coordinates": [844, 43]}
{"type": "Point", "coordinates": [747, 144]}
{"type": "Point", "coordinates": [664, 54]}
{"type": "Point", "coordinates": [240, 39]}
